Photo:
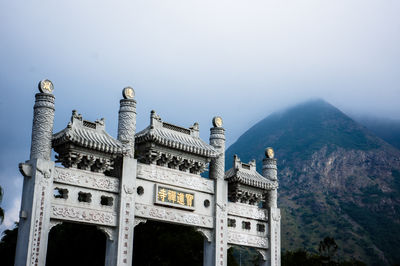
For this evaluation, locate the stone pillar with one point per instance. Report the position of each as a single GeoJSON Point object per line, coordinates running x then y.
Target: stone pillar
{"type": "Point", "coordinates": [42, 128]}
{"type": "Point", "coordinates": [270, 172]}
{"type": "Point", "coordinates": [217, 173]}
{"type": "Point", "coordinates": [119, 249]}
{"type": "Point", "coordinates": [127, 119]}
{"type": "Point", "coordinates": [34, 223]}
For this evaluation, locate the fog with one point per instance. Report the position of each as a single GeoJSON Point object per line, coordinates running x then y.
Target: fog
{"type": "Point", "coordinates": [189, 61]}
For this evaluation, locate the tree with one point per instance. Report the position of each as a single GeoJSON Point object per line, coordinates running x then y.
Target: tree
{"type": "Point", "coordinates": [1, 209]}
{"type": "Point", "coordinates": [8, 243]}
{"type": "Point", "coordinates": [327, 248]}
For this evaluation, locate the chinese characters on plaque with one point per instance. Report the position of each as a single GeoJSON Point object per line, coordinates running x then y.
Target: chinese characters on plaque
{"type": "Point", "coordinates": [173, 197]}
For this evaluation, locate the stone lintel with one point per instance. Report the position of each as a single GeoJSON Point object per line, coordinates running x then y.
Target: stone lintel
{"type": "Point", "coordinates": [242, 239]}
{"type": "Point", "coordinates": [171, 215]}
{"type": "Point", "coordinates": [173, 177]}
{"type": "Point", "coordinates": [247, 211]}
{"type": "Point", "coordinates": [83, 215]}
{"type": "Point", "coordinates": [86, 179]}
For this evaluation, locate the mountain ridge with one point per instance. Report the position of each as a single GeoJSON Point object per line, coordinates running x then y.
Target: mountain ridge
{"type": "Point", "coordinates": [336, 178]}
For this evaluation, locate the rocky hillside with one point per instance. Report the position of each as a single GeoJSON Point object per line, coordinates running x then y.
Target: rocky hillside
{"type": "Point", "coordinates": [336, 179]}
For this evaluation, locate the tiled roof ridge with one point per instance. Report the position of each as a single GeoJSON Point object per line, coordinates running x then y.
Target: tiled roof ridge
{"type": "Point", "coordinates": [87, 134]}
{"type": "Point", "coordinates": [248, 177]}
{"type": "Point", "coordinates": [176, 137]}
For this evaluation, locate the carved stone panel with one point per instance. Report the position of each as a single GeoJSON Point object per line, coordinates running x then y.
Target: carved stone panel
{"type": "Point", "coordinates": [174, 177]}
{"type": "Point", "coordinates": [247, 240]}
{"type": "Point", "coordinates": [86, 179]}
{"type": "Point", "coordinates": [248, 211]}
{"type": "Point", "coordinates": [172, 215]}
{"type": "Point", "coordinates": [89, 216]}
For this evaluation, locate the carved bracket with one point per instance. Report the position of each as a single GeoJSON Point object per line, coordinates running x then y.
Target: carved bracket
{"type": "Point", "coordinates": [139, 220]}
{"type": "Point", "coordinates": [263, 253]}
{"type": "Point", "coordinates": [109, 232]}
{"type": "Point", "coordinates": [54, 223]}
{"type": "Point", "coordinates": [207, 233]}
{"type": "Point", "coordinates": [25, 169]}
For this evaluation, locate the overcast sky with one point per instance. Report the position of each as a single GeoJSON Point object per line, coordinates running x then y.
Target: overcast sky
{"type": "Point", "coordinates": [191, 60]}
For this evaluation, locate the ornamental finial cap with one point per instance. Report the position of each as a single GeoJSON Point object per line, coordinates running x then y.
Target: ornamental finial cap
{"type": "Point", "coordinates": [128, 93]}
{"type": "Point", "coordinates": [46, 86]}
{"type": "Point", "coordinates": [217, 121]}
{"type": "Point", "coordinates": [269, 153]}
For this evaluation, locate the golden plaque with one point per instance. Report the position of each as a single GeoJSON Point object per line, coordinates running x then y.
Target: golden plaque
{"type": "Point", "coordinates": [217, 121]}
{"type": "Point", "coordinates": [269, 152]}
{"type": "Point", "coordinates": [46, 86]}
{"type": "Point", "coordinates": [128, 93]}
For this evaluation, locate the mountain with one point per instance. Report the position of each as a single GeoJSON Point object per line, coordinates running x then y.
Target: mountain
{"type": "Point", "coordinates": [337, 179]}
{"type": "Point", "coordinates": [386, 129]}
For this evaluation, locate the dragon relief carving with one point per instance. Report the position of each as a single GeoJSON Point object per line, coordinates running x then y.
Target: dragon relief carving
{"type": "Point", "coordinates": [42, 133]}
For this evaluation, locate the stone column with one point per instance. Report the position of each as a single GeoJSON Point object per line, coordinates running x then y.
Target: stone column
{"type": "Point", "coordinates": [42, 128]}
{"type": "Point", "coordinates": [218, 248]}
{"type": "Point", "coordinates": [270, 172]}
{"type": "Point", "coordinates": [274, 217]}
{"type": "Point", "coordinates": [119, 249]}
{"type": "Point", "coordinates": [127, 119]}
{"type": "Point", "coordinates": [34, 223]}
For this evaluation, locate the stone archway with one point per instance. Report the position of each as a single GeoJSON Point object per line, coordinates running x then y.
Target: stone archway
{"type": "Point", "coordinates": [245, 256]}
{"type": "Point", "coordinates": [158, 243]}
{"type": "Point", "coordinates": [76, 244]}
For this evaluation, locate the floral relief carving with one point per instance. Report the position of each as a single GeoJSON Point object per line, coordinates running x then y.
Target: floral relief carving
{"type": "Point", "coordinates": [80, 178]}
{"type": "Point", "coordinates": [171, 215]}
{"type": "Point", "coordinates": [247, 240]}
{"type": "Point", "coordinates": [247, 211]}
{"type": "Point", "coordinates": [174, 177]}
{"type": "Point", "coordinates": [83, 215]}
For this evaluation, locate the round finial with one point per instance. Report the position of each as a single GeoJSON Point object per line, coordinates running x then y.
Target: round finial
{"type": "Point", "coordinates": [217, 121]}
{"type": "Point", "coordinates": [46, 86]}
{"type": "Point", "coordinates": [269, 153]}
{"type": "Point", "coordinates": [128, 93]}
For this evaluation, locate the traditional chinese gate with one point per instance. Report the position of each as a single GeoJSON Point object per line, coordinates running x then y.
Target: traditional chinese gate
{"type": "Point", "coordinates": [116, 184]}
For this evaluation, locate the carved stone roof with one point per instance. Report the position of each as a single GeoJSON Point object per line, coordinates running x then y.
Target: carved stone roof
{"type": "Point", "coordinates": [246, 174]}
{"type": "Point", "coordinates": [175, 137]}
{"type": "Point", "coordinates": [87, 134]}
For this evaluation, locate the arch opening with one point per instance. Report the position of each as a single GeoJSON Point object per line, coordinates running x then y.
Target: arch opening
{"type": "Point", "coordinates": [75, 244]}
{"type": "Point", "coordinates": [157, 243]}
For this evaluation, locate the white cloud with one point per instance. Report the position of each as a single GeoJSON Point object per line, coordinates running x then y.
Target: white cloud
{"type": "Point", "coordinates": [11, 215]}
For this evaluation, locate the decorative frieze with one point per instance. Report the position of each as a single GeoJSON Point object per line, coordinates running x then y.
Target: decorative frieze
{"type": "Point", "coordinates": [86, 179]}
{"type": "Point", "coordinates": [174, 177]}
{"type": "Point", "coordinates": [247, 240]}
{"type": "Point", "coordinates": [172, 215]}
{"type": "Point", "coordinates": [247, 211]}
{"type": "Point", "coordinates": [83, 215]}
